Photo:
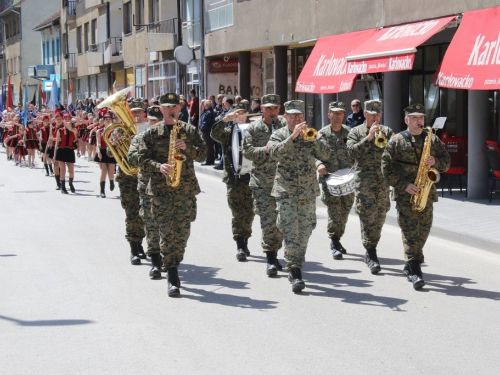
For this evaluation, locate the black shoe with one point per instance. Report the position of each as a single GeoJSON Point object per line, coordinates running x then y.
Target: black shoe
{"type": "Point", "coordinates": [240, 246]}
{"type": "Point", "coordinates": [58, 182]}
{"type": "Point", "coordinates": [407, 271]}
{"type": "Point", "coordinates": [111, 185]}
{"type": "Point", "coordinates": [173, 282]}
{"type": "Point", "coordinates": [295, 277]}
{"type": "Point", "coordinates": [247, 252]}
{"type": "Point", "coordinates": [219, 167]}
{"type": "Point", "coordinates": [416, 276]}
{"type": "Point", "coordinates": [63, 187]}
{"type": "Point", "coordinates": [337, 248]}
{"type": "Point", "coordinates": [71, 187]}
{"type": "Point", "coordinates": [272, 270]}
{"type": "Point", "coordinates": [134, 258]}
{"type": "Point", "coordinates": [103, 189]}
{"type": "Point", "coordinates": [372, 262]}
{"type": "Point", "coordinates": [140, 251]}
{"type": "Point", "coordinates": [155, 272]}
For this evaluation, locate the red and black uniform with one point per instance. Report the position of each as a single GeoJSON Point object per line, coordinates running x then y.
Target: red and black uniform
{"type": "Point", "coordinates": [81, 130]}
{"type": "Point", "coordinates": [14, 131]}
{"type": "Point", "coordinates": [20, 149]}
{"type": "Point", "coordinates": [104, 156]}
{"type": "Point", "coordinates": [93, 137]}
{"type": "Point", "coordinates": [66, 148]}
{"type": "Point", "coordinates": [45, 136]}
{"type": "Point", "coordinates": [31, 140]}
{"type": "Point", "coordinates": [51, 146]}
{"type": "Point", "coordinates": [86, 132]}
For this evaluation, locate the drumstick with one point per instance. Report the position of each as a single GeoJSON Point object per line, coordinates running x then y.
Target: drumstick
{"type": "Point", "coordinates": [336, 175]}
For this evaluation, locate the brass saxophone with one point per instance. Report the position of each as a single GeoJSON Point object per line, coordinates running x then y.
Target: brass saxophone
{"type": "Point", "coordinates": [175, 158]}
{"type": "Point", "coordinates": [426, 176]}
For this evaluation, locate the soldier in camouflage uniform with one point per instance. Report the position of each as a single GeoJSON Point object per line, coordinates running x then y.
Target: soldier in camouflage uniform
{"type": "Point", "coordinates": [174, 208]}
{"type": "Point", "coordinates": [372, 190]}
{"type": "Point", "coordinates": [400, 166]}
{"type": "Point", "coordinates": [335, 136]}
{"type": "Point", "coordinates": [295, 187]}
{"type": "Point", "coordinates": [152, 232]}
{"type": "Point", "coordinates": [262, 177]}
{"type": "Point", "coordinates": [239, 194]}
{"type": "Point", "coordinates": [129, 198]}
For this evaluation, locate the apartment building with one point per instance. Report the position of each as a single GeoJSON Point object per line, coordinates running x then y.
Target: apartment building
{"type": "Point", "coordinates": [20, 40]}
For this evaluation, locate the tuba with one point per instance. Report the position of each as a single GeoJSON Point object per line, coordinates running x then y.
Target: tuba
{"type": "Point", "coordinates": [118, 103]}
{"type": "Point", "coordinates": [175, 158]}
{"type": "Point", "coordinates": [426, 176]}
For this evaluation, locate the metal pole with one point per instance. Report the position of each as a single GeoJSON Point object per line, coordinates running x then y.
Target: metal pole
{"type": "Point", "coordinates": [202, 49]}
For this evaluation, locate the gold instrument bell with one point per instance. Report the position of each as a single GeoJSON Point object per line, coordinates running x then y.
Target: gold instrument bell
{"type": "Point", "coordinates": [127, 129]}
{"type": "Point", "coordinates": [380, 140]}
{"type": "Point", "coordinates": [310, 134]}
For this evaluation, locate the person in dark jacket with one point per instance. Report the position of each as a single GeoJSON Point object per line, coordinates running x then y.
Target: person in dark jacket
{"type": "Point", "coordinates": [206, 122]}
{"type": "Point", "coordinates": [183, 114]}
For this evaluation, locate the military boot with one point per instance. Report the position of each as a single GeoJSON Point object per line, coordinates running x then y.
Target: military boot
{"type": "Point", "coordinates": [371, 261]}
{"type": "Point", "coordinates": [295, 277]}
{"type": "Point", "coordinates": [278, 264]}
{"type": "Point", "coordinates": [63, 187]}
{"type": "Point", "coordinates": [173, 282]}
{"type": "Point", "coordinates": [71, 187]}
{"type": "Point", "coordinates": [416, 276]}
{"type": "Point", "coordinates": [134, 256]}
{"type": "Point", "coordinates": [155, 272]}
{"type": "Point", "coordinates": [58, 182]}
{"type": "Point", "coordinates": [240, 246]}
{"type": "Point", "coordinates": [140, 251]}
{"type": "Point", "coordinates": [272, 270]}
{"type": "Point", "coordinates": [247, 252]}
{"type": "Point", "coordinates": [337, 248]}
{"type": "Point", "coordinates": [407, 271]}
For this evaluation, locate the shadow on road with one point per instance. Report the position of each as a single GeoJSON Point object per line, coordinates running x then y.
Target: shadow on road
{"type": "Point", "coordinates": [198, 275]}
{"type": "Point", "coordinates": [8, 255]}
{"type": "Point", "coordinates": [454, 286]}
{"type": "Point", "coordinates": [45, 323]}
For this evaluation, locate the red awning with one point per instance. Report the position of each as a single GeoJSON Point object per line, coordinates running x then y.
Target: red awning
{"type": "Point", "coordinates": [326, 69]}
{"type": "Point", "coordinates": [472, 61]}
{"type": "Point", "coordinates": [393, 48]}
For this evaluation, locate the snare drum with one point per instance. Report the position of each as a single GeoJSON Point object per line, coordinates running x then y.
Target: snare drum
{"type": "Point", "coordinates": [341, 182]}
{"type": "Point", "coordinates": [241, 165]}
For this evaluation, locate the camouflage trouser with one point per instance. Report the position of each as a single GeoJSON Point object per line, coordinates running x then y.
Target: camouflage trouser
{"type": "Point", "coordinates": [296, 219]}
{"type": "Point", "coordinates": [174, 214]}
{"type": "Point", "coordinates": [152, 231]}
{"type": "Point", "coordinates": [134, 226]}
{"type": "Point", "coordinates": [372, 206]}
{"type": "Point", "coordinates": [265, 206]}
{"type": "Point", "coordinates": [239, 199]}
{"type": "Point", "coordinates": [338, 212]}
{"type": "Point", "coordinates": [415, 228]}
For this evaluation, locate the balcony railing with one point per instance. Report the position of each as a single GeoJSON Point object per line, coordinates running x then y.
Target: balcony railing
{"type": "Point", "coordinates": [98, 47]}
{"type": "Point", "coordinates": [72, 60]}
{"type": "Point", "coordinates": [163, 27]}
{"type": "Point", "coordinates": [70, 7]}
{"type": "Point", "coordinates": [191, 32]}
{"type": "Point", "coordinates": [116, 45]}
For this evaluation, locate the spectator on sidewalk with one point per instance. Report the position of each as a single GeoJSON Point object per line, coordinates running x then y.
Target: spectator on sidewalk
{"type": "Point", "coordinates": [356, 117]}
{"type": "Point", "coordinates": [206, 122]}
{"type": "Point", "coordinates": [194, 108]}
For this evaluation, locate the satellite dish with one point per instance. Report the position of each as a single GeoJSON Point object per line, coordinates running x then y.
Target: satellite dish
{"type": "Point", "coordinates": [184, 55]}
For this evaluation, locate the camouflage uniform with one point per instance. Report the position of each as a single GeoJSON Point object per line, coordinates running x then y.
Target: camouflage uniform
{"type": "Point", "coordinates": [338, 207]}
{"type": "Point", "coordinates": [372, 190]}
{"type": "Point", "coordinates": [295, 189]}
{"type": "Point", "coordinates": [145, 200]}
{"type": "Point", "coordinates": [400, 163]}
{"type": "Point", "coordinates": [262, 180]}
{"type": "Point", "coordinates": [134, 226]}
{"type": "Point", "coordinates": [173, 208]}
{"type": "Point", "coordinates": [239, 194]}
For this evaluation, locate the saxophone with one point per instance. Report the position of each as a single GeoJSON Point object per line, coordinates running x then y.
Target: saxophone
{"type": "Point", "coordinates": [426, 176]}
{"type": "Point", "coordinates": [175, 158]}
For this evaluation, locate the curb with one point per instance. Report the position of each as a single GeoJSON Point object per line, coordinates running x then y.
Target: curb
{"type": "Point", "coordinates": [391, 219]}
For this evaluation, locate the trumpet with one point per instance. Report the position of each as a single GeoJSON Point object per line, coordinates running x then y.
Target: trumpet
{"type": "Point", "coordinates": [380, 139]}
{"type": "Point", "coordinates": [310, 134]}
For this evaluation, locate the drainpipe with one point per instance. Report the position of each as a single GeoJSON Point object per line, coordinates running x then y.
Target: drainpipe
{"type": "Point", "coordinates": [108, 35]}
{"type": "Point", "coordinates": [202, 49]}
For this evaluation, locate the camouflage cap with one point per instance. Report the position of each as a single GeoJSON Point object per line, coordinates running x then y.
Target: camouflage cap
{"type": "Point", "coordinates": [336, 106]}
{"type": "Point", "coordinates": [169, 99]}
{"type": "Point", "coordinates": [294, 107]}
{"type": "Point", "coordinates": [154, 113]}
{"type": "Point", "coordinates": [415, 110]}
{"type": "Point", "coordinates": [373, 106]}
{"type": "Point", "coordinates": [270, 100]}
{"type": "Point", "coordinates": [244, 101]}
{"type": "Point", "coordinates": [136, 105]}
{"type": "Point", "coordinates": [239, 106]}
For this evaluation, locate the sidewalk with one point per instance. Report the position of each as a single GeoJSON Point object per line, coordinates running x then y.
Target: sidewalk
{"type": "Point", "coordinates": [474, 223]}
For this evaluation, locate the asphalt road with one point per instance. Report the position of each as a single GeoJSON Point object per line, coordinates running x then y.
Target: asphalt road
{"type": "Point", "coordinates": [71, 303]}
